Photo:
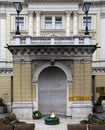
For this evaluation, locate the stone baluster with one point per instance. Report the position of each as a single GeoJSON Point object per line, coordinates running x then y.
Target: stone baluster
{"type": "Point", "coordinates": [28, 40]}
{"type": "Point", "coordinates": [17, 40]}
{"type": "Point", "coordinates": [87, 40]}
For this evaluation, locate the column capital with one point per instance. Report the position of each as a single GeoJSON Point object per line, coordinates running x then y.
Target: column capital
{"type": "Point", "coordinates": [37, 12]}
{"type": "Point", "coordinates": [3, 15]}
{"type": "Point", "coordinates": [75, 12]}
{"type": "Point", "coordinates": [68, 12]}
{"type": "Point", "coordinates": [102, 15]}
{"type": "Point", "coordinates": [30, 13]}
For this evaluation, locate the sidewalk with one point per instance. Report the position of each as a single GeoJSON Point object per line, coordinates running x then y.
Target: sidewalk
{"type": "Point", "coordinates": [40, 125]}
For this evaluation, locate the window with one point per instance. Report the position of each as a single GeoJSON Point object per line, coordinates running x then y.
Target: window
{"type": "Point", "coordinates": [53, 22]}
{"type": "Point", "coordinates": [21, 22]}
{"type": "Point", "coordinates": [48, 23]}
{"type": "Point", "coordinates": [58, 23]}
{"type": "Point", "coordinates": [89, 22]}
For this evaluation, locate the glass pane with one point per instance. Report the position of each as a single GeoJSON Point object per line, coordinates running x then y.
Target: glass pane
{"type": "Point", "coordinates": [84, 23]}
{"type": "Point", "coordinates": [48, 23]}
{"type": "Point", "coordinates": [48, 26]}
{"type": "Point", "coordinates": [21, 22]}
{"type": "Point", "coordinates": [58, 23]}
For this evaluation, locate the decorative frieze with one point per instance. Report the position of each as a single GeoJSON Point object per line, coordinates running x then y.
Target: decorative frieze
{"type": "Point", "coordinates": [43, 52]}
{"type": "Point", "coordinates": [6, 71]}
{"type": "Point", "coordinates": [98, 70]}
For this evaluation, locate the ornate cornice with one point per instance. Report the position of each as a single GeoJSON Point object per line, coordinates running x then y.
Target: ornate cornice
{"type": "Point", "coordinates": [98, 70]}
{"type": "Point", "coordinates": [48, 52]}
{"type": "Point", "coordinates": [6, 71]}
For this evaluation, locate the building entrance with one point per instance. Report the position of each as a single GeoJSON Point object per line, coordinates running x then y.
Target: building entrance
{"type": "Point", "coordinates": [52, 91]}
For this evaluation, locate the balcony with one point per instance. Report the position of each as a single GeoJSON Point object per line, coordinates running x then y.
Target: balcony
{"type": "Point", "coordinates": [53, 40]}
{"type": "Point", "coordinates": [29, 48]}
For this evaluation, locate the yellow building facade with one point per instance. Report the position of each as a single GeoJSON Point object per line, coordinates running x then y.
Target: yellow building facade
{"type": "Point", "coordinates": [51, 65]}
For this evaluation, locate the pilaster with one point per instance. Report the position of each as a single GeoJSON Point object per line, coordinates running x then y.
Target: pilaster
{"type": "Point", "coordinates": [3, 36]}
{"type": "Point", "coordinates": [68, 23]}
{"type": "Point", "coordinates": [75, 23]}
{"type": "Point", "coordinates": [31, 30]}
{"type": "Point", "coordinates": [102, 37]}
{"type": "Point", "coordinates": [38, 22]}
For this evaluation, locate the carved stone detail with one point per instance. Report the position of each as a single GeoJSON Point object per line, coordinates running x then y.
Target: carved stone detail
{"type": "Point", "coordinates": [30, 13]}
{"type": "Point", "coordinates": [41, 52]}
{"type": "Point", "coordinates": [98, 71]}
{"type": "Point", "coordinates": [102, 15]}
{"type": "Point", "coordinates": [6, 71]}
{"type": "Point", "coordinates": [3, 15]}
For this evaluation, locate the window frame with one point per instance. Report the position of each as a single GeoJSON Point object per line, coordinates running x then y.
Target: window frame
{"type": "Point", "coordinates": [89, 22]}
{"type": "Point", "coordinates": [54, 25]}
{"type": "Point", "coordinates": [48, 23]}
{"type": "Point", "coordinates": [21, 23]}
{"type": "Point", "coordinates": [58, 24]}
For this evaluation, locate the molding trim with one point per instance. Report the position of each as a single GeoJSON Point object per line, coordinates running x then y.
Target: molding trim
{"type": "Point", "coordinates": [98, 70]}
{"type": "Point", "coordinates": [48, 52]}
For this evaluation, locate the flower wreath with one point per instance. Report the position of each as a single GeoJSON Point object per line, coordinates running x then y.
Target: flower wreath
{"type": "Point", "coordinates": [37, 114]}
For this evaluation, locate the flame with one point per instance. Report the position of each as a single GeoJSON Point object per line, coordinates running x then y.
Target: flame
{"type": "Point", "coordinates": [52, 115]}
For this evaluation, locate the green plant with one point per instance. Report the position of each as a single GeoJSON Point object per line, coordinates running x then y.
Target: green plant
{"type": "Point", "coordinates": [1, 101]}
{"type": "Point", "coordinates": [37, 114]}
{"type": "Point", "coordinates": [11, 119]}
{"type": "Point", "coordinates": [17, 122]}
{"type": "Point", "coordinates": [99, 101]}
{"type": "Point", "coordinates": [93, 115]}
{"type": "Point", "coordinates": [102, 122]}
{"type": "Point", "coordinates": [86, 122]}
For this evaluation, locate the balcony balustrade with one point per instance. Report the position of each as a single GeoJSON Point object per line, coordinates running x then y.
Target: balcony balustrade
{"type": "Point", "coordinates": [76, 40]}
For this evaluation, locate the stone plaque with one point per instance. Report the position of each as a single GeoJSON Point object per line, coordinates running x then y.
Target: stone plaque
{"type": "Point", "coordinates": [52, 91]}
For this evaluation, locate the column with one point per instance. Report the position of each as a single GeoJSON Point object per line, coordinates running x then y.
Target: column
{"type": "Point", "coordinates": [53, 22]}
{"type": "Point", "coordinates": [38, 23]}
{"type": "Point", "coordinates": [3, 37]}
{"type": "Point", "coordinates": [31, 28]}
{"type": "Point", "coordinates": [102, 37]}
{"type": "Point", "coordinates": [75, 23]}
{"type": "Point", "coordinates": [68, 23]}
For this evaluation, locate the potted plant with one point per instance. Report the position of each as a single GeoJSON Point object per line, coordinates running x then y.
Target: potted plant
{"type": "Point", "coordinates": [3, 108]}
{"type": "Point", "coordinates": [98, 108]}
